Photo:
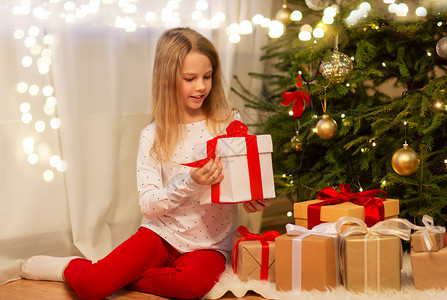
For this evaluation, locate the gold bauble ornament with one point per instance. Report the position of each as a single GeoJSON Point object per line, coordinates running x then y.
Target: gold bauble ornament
{"type": "Point", "coordinates": [327, 128]}
{"type": "Point", "coordinates": [405, 161]}
{"type": "Point", "coordinates": [296, 143]}
{"type": "Point", "coordinates": [336, 66]}
{"type": "Point", "coordinates": [283, 15]}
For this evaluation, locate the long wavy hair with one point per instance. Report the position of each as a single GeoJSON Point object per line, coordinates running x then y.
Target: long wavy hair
{"type": "Point", "coordinates": [167, 107]}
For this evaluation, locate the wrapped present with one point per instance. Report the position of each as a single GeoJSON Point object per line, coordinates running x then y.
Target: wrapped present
{"type": "Point", "coordinates": [247, 165]}
{"type": "Point", "coordinates": [307, 259]}
{"type": "Point", "coordinates": [371, 258]}
{"type": "Point", "coordinates": [429, 269]}
{"type": "Point", "coordinates": [428, 238]}
{"type": "Point", "coordinates": [332, 205]}
{"type": "Point", "coordinates": [253, 255]}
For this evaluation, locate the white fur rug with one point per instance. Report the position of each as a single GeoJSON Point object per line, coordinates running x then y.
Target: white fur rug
{"type": "Point", "coordinates": [229, 282]}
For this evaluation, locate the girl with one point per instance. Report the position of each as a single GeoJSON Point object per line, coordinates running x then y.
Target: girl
{"type": "Point", "coordinates": [182, 246]}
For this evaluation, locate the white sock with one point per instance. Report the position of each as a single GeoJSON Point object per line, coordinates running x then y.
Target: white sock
{"type": "Point", "coordinates": [42, 267]}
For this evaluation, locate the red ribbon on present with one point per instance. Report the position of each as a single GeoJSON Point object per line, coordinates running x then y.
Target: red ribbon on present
{"type": "Point", "coordinates": [236, 129]}
{"type": "Point", "coordinates": [374, 209]}
{"type": "Point", "coordinates": [263, 239]}
{"type": "Point", "coordinates": [298, 98]}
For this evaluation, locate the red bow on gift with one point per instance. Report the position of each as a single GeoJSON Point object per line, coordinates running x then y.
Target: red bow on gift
{"type": "Point", "coordinates": [236, 129]}
{"type": "Point", "coordinates": [298, 98]}
{"type": "Point", "coordinates": [263, 239]}
{"type": "Point", "coordinates": [374, 209]}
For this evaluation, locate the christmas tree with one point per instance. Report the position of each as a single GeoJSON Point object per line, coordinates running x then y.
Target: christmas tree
{"type": "Point", "coordinates": [380, 78]}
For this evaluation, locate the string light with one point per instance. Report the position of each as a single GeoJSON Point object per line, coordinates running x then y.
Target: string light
{"type": "Point", "coordinates": [421, 11]}
{"type": "Point", "coordinates": [401, 10]}
{"type": "Point", "coordinates": [257, 19]}
{"type": "Point", "coordinates": [234, 38]}
{"type": "Point", "coordinates": [296, 15]}
{"type": "Point", "coordinates": [19, 34]}
{"type": "Point", "coordinates": [40, 126]}
{"type": "Point", "coordinates": [305, 32]}
{"type": "Point", "coordinates": [28, 145]}
{"type": "Point", "coordinates": [48, 175]}
{"type": "Point", "coordinates": [329, 15]}
{"type": "Point", "coordinates": [25, 107]}
{"type": "Point", "coordinates": [150, 16]}
{"type": "Point", "coordinates": [201, 5]}
{"type": "Point", "coordinates": [357, 14]}
{"type": "Point", "coordinates": [33, 158]}
{"type": "Point", "coordinates": [276, 29]}
{"type": "Point", "coordinates": [27, 118]}
{"type": "Point", "coordinates": [266, 22]}
{"type": "Point", "coordinates": [318, 32]}
{"type": "Point", "coordinates": [33, 90]}
{"type": "Point", "coordinates": [246, 27]}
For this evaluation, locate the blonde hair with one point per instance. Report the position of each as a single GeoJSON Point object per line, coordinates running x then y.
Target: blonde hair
{"type": "Point", "coordinates": [167, 107]}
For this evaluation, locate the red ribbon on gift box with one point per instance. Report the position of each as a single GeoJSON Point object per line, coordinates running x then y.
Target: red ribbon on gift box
{"type": "Point", "coordinates": [263, 239]}
{"type": "Point", "coordinates": [236, 129]}
{"type": "Point", "coordinates": [374, 209]}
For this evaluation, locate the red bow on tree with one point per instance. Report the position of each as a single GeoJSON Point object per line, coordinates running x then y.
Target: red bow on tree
{"type": "Point", "coordinates": [298, 98]}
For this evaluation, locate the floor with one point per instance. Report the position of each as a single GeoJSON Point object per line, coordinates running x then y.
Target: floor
{"type": "Point", "coordinates": [47, 290]}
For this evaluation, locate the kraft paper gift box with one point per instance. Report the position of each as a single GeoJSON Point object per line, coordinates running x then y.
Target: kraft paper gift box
{"type": "Point", "coordinates": [247, 166]}
{"type": "Point", "coordinates": [437, 241]}
{"type": "Point", "coordinates": [306, 262]}
{"type": "Point", "coordinates": [428, 238]}
{"type": "Point", "coordinates": [253, 256]}
{"type": "Point", "coordinates": [429, 269]}
{"type": "Point", "coordinates": [371, 261]}
{"type": "Point", "coordinates": [333, 212]}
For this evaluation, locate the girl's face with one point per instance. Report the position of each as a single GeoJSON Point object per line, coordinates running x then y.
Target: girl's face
{"type": "Point", "coordinates": [197, 74]}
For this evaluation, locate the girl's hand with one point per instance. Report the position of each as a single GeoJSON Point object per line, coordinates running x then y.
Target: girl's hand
{"type": "Point", "coordinates": [256, 205]}
{"type": "Point", "coordinates": [209, 174]}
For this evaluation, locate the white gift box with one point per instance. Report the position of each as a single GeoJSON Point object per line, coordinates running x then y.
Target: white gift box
{"type": "Point", "coordinates": [235, 186]}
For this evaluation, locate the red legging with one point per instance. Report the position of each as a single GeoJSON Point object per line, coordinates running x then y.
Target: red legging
{"type": "Point", "coordinates": [146, 263]}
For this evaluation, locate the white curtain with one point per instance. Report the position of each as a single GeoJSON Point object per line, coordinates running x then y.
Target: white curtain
{"type": "Point", "coordinates": [71, 190]}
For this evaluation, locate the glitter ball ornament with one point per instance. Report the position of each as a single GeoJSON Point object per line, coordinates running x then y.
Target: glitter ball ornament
{"type": "Point", "coordinates": [327, 128]}
{"type": "Point", "coordinates": [336, 67]}
{"type": "Point", "coordinates": [405, 161]}
{"type": "Point", "coordinates": [296, 143]}
{"type": "Point", "coordinates": [318, 4]}
{"type": "Point", "coordinates": [283, 15]}
{"type": "Point", "coordinates": [441, 47]}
